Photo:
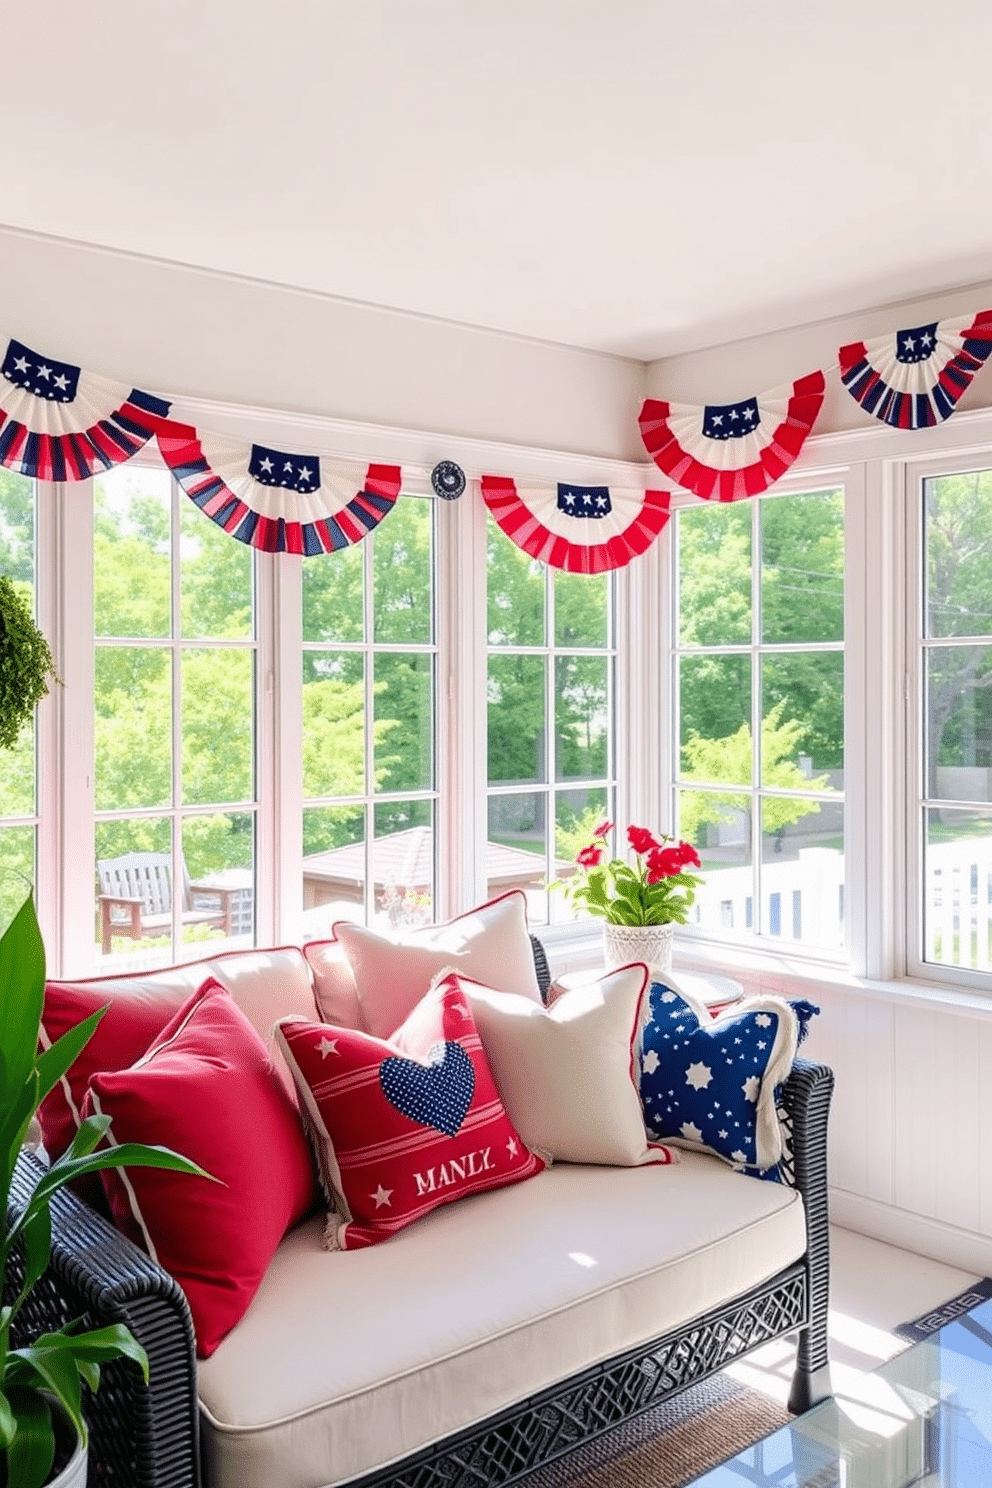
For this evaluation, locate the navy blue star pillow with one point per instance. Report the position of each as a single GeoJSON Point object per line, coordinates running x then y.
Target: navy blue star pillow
{"type": "Point", "coordinates": [710, 1082]}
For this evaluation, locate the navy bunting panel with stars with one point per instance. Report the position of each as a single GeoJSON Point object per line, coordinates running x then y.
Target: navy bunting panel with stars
{"type": "Point", "coordinates": [405, 1125]}
{"type": "Point", "coordinates": [913, 380]}
{"type": "Point", "coordinates": [726, 451]}
{"type": "Point", "coordinates": [59, 423]}
{"type": "Point", "coordinates": [579, 528]}
{"type": "Point", "coordinates": [280, 501]}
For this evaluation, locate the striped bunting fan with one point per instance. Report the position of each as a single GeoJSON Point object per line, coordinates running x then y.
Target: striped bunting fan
{"type": "Point", "coordinates": [277, 501]}
{"type": "Point", "coordinates": [913, 379]}
{"type": "Point", "coordinates": [725, 451]}
{"type": "Point", "coordinates": [59, 423]}
{"type": "Point", "coordinates": [584, 529]}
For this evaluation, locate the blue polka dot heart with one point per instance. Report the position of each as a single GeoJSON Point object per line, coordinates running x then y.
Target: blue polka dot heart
{"type": "Point", "coordinates": [436, 1094]}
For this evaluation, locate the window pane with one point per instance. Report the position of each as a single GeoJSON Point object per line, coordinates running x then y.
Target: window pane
{"type": "Point", "coordinates": [404, 720]}
{"type": "Point", "coordinates": [132, 549]}
{"type": "Point", "coordinates": [17, 870]}
{"type": "Point", "coordinates": [958, 532]}
{"type": "Point", "coordinates": [134, 891]}
{"type": "Point", "coordinates": [516, 852]}
{"type": "Point", "coordinates": [403, 865]}
{"type": "Point", "coordinates": [217, 693]}
{"type": "Point", "coordinates": [516, 593]}
{"type": "Point", "coordinates": [333, 596]}
{"type": "Point", "coordinates": [958, 888]}
{"type": "Point", "coordinates": [132, 708]}
{"type": "Point", "coordinates": [219, 852]}
{"type": "Point", "coordinates": [517, 726]}
{"type": "Point", "coordinates": [802, 567]}
{"type": "Point", "coordinates": [582, 716]}
{"type": "Point", "coordinates": [577, 815]}
{"type": "Point", "coordinates": [215, 578]}
{"type": "Point", "coordinates": [802, 730]}
{"type": "Point", "coordinates": [714, 574]}
{"type": "Point", "coordinates": [802, 873]}
{"type": "Point", "coordinates": [403, 570]}
{"type": "Point", "coordinates": [333, 867]}
{"type": "Point", "coordinates": [718, 823]}
{"type": "Point", "coordinates": [333, 723]}
{"type": "Point", "coordinates": [582, 609]}
{"type": "Point", "coordinates": [959, 722]}
{"type": "Point", "coordinates": [715, 703]}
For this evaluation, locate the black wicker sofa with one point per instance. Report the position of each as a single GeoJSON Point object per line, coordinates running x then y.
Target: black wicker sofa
{"type": "Point", "coordinates": [143, 1437]}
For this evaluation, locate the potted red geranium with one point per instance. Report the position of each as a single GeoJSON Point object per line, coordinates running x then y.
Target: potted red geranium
{"type": "Point", "coordinates": [641, 902]}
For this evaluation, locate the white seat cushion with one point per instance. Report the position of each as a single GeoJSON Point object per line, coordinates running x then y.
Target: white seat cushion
{"type": "Point", "coordinates": [346, 1362]}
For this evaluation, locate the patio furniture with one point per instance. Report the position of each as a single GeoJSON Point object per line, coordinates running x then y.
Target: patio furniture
{"type": "Point", "coordinates": [135, 898]}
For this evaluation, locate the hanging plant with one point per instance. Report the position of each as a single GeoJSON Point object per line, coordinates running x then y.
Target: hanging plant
{"type": "Point", "coordinates": [26, 664]}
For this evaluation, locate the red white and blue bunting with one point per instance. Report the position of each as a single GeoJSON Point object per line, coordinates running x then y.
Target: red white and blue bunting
{"type": "Point", "coordinates": [583, 529]}
{"type": "Point", "coordinates": [278, 501]}
{"type": "Point", "coordinates": [726, 451]}
{"type": "Point", "coordinates": [59, 423]}
{"type": "Point", "coordinates": [913, 380]}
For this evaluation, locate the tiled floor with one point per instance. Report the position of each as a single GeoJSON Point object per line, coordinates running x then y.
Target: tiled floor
{"type": "Point", "coordinates": [873, 1287]}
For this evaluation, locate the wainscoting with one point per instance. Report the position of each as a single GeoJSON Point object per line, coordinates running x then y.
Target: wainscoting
{"type": "Point", "coordinates": [911, 1122]}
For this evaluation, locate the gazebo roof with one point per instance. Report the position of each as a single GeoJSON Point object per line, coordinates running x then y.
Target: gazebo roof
{"type": "Point", "coordinates": [407, 858]}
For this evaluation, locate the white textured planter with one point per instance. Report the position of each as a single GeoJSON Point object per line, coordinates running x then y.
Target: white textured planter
{"type": "Point", "coordinates": [650, 943]}
{"type": "Point", "coordinates": [73, 1475]}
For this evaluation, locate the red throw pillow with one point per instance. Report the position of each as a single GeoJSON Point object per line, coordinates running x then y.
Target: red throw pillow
{"type": "Point", "coordinates": [207, 1089]}
{"type": "Point", "coordinates": [402, 1126]}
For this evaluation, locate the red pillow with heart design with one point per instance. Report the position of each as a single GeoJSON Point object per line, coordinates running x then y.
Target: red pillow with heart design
{"type": "Point", "coordinates": [403, 1126]}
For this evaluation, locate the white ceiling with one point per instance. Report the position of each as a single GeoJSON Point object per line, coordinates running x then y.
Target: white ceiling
{"type": "Point", "coordinates": [633, 176]}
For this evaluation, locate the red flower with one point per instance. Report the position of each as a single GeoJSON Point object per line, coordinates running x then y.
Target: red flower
{"type": "Point", "coordinates": [663, 862]}
{"type": "Point", "coordinates": [689, 855]}
{"type": "Point", "coordinates": [590, 857]}
{"type": "Point", "coordinates": [603, 828]}
{"type": "Point", "coordinates": [641, 839]}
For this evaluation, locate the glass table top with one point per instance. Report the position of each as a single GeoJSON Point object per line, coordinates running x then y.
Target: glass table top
{"type": "Point", "coordinates": [924, 1417]}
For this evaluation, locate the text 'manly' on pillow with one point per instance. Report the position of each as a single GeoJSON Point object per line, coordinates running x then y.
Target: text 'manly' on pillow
{"type": "Point", "coordinates": [490, 944]}
{"type": "Point", "coordinates": [403, 1126]}
{"type": "Point", "coordinates": [207, 1089]}
{"type": "Point", "coordinates": [568, 1073]}
{"type": "Point", "coordinates": [265, 985]}
{"type": "Point", "coordinates": [710, 1082]}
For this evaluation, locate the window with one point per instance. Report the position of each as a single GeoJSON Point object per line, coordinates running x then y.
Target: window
{"type": "Point", "coordinates": [758, 687]}
{"type": "Point", "coordinates": [550, 689]}
{"type": "Point", "coordinates": [370, 793]}
{"type": "Point", "coordinates": [954, 687]}
{"type": "Point", "coordinates": [18, 788]}
{"type": "Point", "coordinates": [174, 724]}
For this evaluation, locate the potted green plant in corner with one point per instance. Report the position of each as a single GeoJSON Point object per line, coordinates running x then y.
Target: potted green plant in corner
{"type": "Point", "coordinates": [47, 1375]}
{"type": "Point", "coordinates": [26, 664]}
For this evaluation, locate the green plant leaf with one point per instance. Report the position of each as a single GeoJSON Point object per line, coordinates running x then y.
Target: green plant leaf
{"type": "Point", "coordinates": [53, 1062]}
{"type": "Point", "coordinates": [90, 1131]}
{"type": "Point", "coordinates": [49, 1361]}
{"type": "Point", "coordinates": [8, 1423]}
{"type": "Point", "coordinates": [37, 1238]}
{"type": "Point", "coordinates": [16, 1120]}
{"type": "Point", "coordinates": [30, 1454]}
{"type": "Point", "coordinates": [100, 1345]}
{"type": "Point", "coordinates": [89, 1374]}
{"type": "Point", "coordinates": [22, 977]}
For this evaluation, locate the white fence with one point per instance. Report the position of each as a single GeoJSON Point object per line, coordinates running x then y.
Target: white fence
{"type": "Point", "coordinates": [802, 900]}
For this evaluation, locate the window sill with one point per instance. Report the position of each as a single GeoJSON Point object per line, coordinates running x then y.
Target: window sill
{"type": "Point", "coordinates": [578, 948]}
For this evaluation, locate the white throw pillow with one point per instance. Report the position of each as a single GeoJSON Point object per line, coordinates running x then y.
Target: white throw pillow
{"type": "Point", "coordinates": [490, 944]}
{"type": "Point", "coordinates": [567, 1073]}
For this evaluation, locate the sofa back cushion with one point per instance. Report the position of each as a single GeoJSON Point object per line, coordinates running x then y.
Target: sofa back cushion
{"type": "Point", "coordinates": [265, 984]}
{"type": "Point", "coordinates": [490, 943]}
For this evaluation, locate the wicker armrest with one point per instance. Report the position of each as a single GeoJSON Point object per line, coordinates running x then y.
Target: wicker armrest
{"type": "Point", "coordinates": [805, 1106]}
{"type": "Point", "coordinates": [139, 1438]}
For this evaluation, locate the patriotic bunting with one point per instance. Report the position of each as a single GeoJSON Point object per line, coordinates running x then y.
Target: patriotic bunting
{"type": "Point", "coordinates": [59, 423]}
{"type": "Point", "coordinates": [913, 380]}
{"type": "Point", "coordinates": [278, 501]}
{"type": "Point", "coordinates": [725, 451]}
{"type": "Point", "coordinates": [583, 529]}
